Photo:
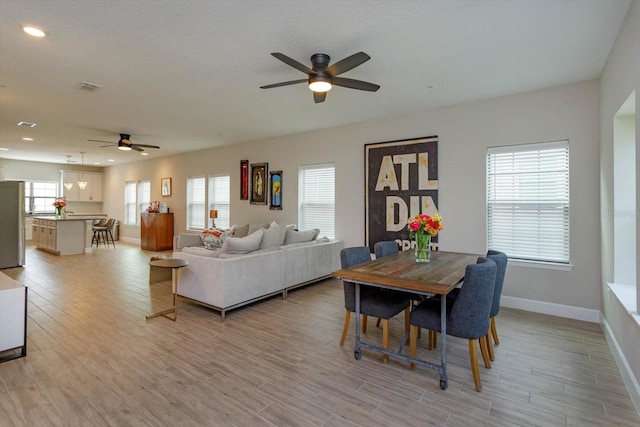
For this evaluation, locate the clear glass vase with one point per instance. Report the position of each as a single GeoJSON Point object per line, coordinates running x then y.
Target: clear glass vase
{"type": "Point", "coordinates": [58, 212]}
{"type": "Point", "coordinates": [423, 247]}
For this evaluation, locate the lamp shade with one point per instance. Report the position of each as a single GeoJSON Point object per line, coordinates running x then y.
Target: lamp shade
{"type": "Point", "coordinates": [213, 214]}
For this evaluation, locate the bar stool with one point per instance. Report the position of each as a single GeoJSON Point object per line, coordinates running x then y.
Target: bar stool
{"type": "Point", "coordinates": [104, 232]}
{"type": "Point", "coordinates": [95, 227]}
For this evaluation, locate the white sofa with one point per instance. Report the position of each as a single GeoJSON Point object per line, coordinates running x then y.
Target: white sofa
{"type": "Point", "coordinates": [227, 283]}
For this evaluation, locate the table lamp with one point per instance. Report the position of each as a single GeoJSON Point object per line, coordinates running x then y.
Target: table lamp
{"type": "Point", "coordinates": [213, 214]}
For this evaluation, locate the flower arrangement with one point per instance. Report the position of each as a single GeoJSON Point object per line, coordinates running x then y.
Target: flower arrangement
{"type": "Point", "coordinates": [60, 203]}
{"type": "Point", "coordinates": [424, 225]}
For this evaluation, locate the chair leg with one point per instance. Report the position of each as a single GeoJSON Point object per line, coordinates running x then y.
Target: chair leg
{"type": "Point", "coordinates": [412, 344]}
{"type": "Point", "coordinates": [385, 338]}
{"type": "Point", "coordinates": [345, 328]}
{"type": "Point", "coordinates": [407, 313]}
{"type": "Point", "coordinates": [473, 358]}
{"type": "Point", "coordinates": [487, 338]}
{"type": "Point", "coordinates": [494, 331]}
{"type": "Point", "coordinates": [378, 323]}
{"type": "Point", "coordinates": [364, 323]}
{"type": "Point", "coordinates": [485, 354]}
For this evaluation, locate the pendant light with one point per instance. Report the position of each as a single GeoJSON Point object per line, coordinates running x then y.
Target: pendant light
{"type": "Point", "coordinates": [68, 184]}
{"type": "Point", "coordinates": [81, 182]}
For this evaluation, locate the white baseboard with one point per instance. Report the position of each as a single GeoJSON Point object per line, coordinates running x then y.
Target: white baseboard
{"type": "Point", "coordinates": [623, 366]}
{"type": "Point", "coordinates": [568, 311]}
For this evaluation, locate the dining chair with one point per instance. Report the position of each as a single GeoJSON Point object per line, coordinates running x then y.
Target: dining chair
{"type": "Point", "coordinates": [467, 317]}
{"type": "Point", "coordinates": [501, 259]}
{"type": "Point", "coordinates": [373, 302]}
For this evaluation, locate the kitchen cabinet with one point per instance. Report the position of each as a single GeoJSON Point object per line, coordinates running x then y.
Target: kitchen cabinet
{"type": "Point", "coordinates": [60, 237]}
{"type": "Point", "coordinates": [156, 231]}
{"type": "Point", "coordinates": [13, 318]}
{"type": "Point", "coordinates": [91, 193]}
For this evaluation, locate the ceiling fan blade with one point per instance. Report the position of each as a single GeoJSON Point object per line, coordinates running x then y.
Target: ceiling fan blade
{"type": "Point", "coordinates": [348, 63]}
{"type": "Point", "coordinates": [135, 147]}
{"type": "Point", "coordinates": [292, 62]}
{"type": "Point", "coordinates": [99, 140]}
{"type": "Point", "coordinates": [319, 97]}
{"type": "Point", "coordinates": [145, 145]}
{"type": "Point", "coordinates": [291, 82]}
{"type": "Point", "coordinates": [355, 84]}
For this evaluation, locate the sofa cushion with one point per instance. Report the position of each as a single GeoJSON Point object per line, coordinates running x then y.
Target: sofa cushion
{"type": "Point", "coordinates": [273, 236]}
{"type": "Point", "coordinates": [297, 245]}
{"type": "Point", "coordinates": [261, 251]}
{"type": "Point", "coordinates": [201, 251]}
{"type": "Point", "coordinates": [242, 245]}
{"type": "Point", "coordinates": [293, 236]}
{"type": "Point", "coordinates": [240, 230]}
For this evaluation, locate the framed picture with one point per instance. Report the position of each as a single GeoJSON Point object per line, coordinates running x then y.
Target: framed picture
{"type": "Point", "coordinates": [275, 184]}
{"type": "Point", "coordinates": [165, 186]}
{"type": "Point", "coordinates": [259, 183]}
{"type": "Point", "coordinates": [244, 179]}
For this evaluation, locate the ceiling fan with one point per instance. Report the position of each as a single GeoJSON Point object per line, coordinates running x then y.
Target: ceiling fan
{"type": "Point", "coordinates": [124, 143]}
{"type": "Point", "coordinates": [322, 76]}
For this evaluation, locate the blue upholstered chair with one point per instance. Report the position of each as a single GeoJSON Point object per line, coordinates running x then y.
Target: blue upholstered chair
{"type": "Point", "coordinates": [386, 248]}
{"type": "Point", "coordinates": [373, 301]}
{"type": "Point", "coordinates": [467, 317]}
{"type": "Point", "coordinates": [500, 259]}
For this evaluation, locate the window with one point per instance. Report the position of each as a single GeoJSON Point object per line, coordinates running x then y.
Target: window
{"type": "Point", "coordinates": [144, 196]}
{"type": "Point", "coordinates": [130, 214]}
{"type": "Point", "coordinates": [219, 199]}
{"type": "Point", "coordinates": [39, 197]}
{"type": "Point", "coordinates": [528, 201]}
{"type": "Point", "coordinates": [196, 193]}
{"type": "Point", "coordinates": [316, 198]}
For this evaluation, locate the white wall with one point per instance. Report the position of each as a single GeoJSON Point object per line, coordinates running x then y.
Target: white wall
{"type": "Point", "coordinates": [465, 131]}
{"type": "Point", "coordinates": [619, 79]}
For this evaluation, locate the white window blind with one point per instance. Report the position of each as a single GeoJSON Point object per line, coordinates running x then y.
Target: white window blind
{"type": "Point", "coordinates": [130, 215]}
{"type": "Point", "coordinates": [144, 197]}
{"type": "Point", "coordinates": [196, 193]}
{"type": "Point", "coordinates": [316, 198]}
{"type": "Point", "coordinates": [528, 201]}
{"type": "Point", "coordinates": [219, 198]}
{"type": "Point", "coordinates": [39, 196]}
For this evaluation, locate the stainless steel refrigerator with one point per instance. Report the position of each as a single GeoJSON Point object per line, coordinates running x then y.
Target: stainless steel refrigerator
{"type": "Point", "coordinates": [11, 224]}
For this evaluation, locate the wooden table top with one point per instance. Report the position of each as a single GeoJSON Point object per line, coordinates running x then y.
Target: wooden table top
{"type": "Point", "coordinates": [444, 272]}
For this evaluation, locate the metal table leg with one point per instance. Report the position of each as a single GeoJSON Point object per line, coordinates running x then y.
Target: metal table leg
{"type": "Point", "coordinates": [358, 352]}
{"type": "Point", "coordinates": [443, 350]}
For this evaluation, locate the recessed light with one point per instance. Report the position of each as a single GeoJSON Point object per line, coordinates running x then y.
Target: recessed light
{"type": "Point", "coordinates": [33, 31]}
{"type": "Point", "coordinates": [4, 149]}
{"type": "Point", "coordinates": [111, 160]}
{"type": "Point", "coordinates": [27, 139]}
{"type": "Point", "coordinates": [145, 154]}
{"type": "Point", "coordinates": [96, 163]}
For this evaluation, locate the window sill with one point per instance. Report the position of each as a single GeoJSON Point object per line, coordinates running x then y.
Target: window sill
{"type": "Point", "coordinates": [626, 294]}
{"type": "Point", "coordinates": [541, 264]}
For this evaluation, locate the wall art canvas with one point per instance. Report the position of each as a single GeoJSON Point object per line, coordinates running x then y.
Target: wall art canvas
{"type": "Point", "coordinates": [244, 179]}
{"type": "Point", "coordinates": [401, 180]}
{"type": "Point", "coordinates": [259, 179]}
{"type": "Point", "coordinates": [275, 186]}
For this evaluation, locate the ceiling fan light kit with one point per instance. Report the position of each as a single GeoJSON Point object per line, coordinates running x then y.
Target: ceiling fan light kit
{"type": "Point", "coordinates": [125, 144]}
{"type": "Point", "coordinates": [322, 77]}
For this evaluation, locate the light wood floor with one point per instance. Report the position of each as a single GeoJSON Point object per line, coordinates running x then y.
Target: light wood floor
{"type": "Point", "coordinates": [94, 360]}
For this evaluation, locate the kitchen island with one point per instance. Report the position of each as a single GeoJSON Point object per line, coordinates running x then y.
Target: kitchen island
{"type": "Point", "coordinates": [64, 236]}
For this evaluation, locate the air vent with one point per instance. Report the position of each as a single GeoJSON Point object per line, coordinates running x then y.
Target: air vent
{"type": "Point", "coordinates": [89, 86]}
{"type": "Point", "coordinates": [27, 124]}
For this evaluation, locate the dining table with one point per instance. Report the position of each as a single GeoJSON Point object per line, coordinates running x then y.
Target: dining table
{"type": "Point", "coordinates": [401, 272]}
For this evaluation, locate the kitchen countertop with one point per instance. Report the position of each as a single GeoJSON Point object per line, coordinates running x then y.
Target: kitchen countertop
{"type": "Point", "coordinates": [70, 218]}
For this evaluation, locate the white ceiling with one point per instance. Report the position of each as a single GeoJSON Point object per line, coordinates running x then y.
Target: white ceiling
{"type": "Point", "coordinates": [185, 75]}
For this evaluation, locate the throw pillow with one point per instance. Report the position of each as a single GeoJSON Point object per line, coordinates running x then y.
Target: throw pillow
{"type": "Point", "coordinates": [240, 230]}
{"type": "Point", "coordinates": [242, 245]}
{"type": "Point", "coordinates": [293, 236]}
{"type": "Point", "coordinates": [213, 239]}
{"type": "Point", "coordinates": [254, 226]}
{"type": "Point", "coordinates": [273, 236]}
